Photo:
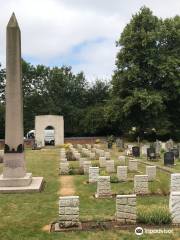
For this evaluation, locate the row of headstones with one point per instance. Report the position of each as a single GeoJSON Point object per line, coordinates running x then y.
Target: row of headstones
{"type": "Point", "coordinates": [171, 152]}
{"type": "Point", "coordinates": [140, 181]}
{"type": "Point", "coordinates": [64, 164]}
{"type": "Point", "coordinates": [69, 210]}
{"type": "Point", "coordinates": [104, 185]}
{"type": "Point", "coordinates": [125, 205]}
{"type": "Point", "coordinates": [158, 145]}
{"type": "Point", "coordinates": [93, 151]}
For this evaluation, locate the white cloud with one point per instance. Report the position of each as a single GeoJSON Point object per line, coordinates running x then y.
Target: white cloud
{"type": "Point", "coordinates": [97, 59]}
{"type": "Point", "coordinates": [51, 28]}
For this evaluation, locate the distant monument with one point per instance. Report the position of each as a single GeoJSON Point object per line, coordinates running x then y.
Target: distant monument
{"type": "Point", "coordinates": [56, 122]}
{"type": "Point", "coordinates": [14, 177]}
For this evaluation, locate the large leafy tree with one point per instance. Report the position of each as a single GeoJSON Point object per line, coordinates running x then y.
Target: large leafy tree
{"type": "Point", "coordinates": [143, 73]}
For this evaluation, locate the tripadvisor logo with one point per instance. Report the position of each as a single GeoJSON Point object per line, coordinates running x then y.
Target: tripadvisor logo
{"type": "Point", "coordinates": [139, 231]}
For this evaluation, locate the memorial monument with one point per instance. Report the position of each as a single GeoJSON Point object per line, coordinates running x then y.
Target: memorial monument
{"type": "Point", "coordinates": [14, 177]}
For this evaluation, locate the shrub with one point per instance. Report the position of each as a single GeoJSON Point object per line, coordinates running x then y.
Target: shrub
{"type": "Point", "coordinates": [162, 151]}
{"type": "Point", "coordinates": [153, 215]}
{"type": "Point", "coordinates": [114, 179]}
{"type": "Point", "coordinates": [76, 171]}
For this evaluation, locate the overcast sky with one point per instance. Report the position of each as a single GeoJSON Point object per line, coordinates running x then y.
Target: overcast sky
{"type": "Point", "coordinates": [77, 33]}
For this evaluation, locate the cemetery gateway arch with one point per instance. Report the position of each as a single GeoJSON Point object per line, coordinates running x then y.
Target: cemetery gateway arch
{"type": "Point", "coordinates": [56, 122]}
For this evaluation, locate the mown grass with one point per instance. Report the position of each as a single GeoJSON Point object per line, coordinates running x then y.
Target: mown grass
{"type": "Point", "coordinates": [22, 216]}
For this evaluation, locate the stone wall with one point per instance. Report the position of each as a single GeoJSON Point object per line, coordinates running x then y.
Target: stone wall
{"type": "Point", "coordinates": [126, 208]}
{"type": "Point", "coordinates": [83, 140]}
{"type": "Point", "coordinates": [69, 211]}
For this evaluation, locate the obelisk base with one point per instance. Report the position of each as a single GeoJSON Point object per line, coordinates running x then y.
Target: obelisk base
{"type": "Point", "coordinates": [18, 185]}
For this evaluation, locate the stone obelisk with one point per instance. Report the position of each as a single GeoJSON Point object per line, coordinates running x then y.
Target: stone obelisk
{"type": "Point", "coordinates": [14, 164]}
{"type": "Point", "coordinates": [14, 171]}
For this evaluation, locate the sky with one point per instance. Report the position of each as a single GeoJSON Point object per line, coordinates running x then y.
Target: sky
{"type": "Point", "coordinates": [77, 33]}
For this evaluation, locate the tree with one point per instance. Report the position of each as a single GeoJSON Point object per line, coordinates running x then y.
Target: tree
{"type": "Point", "coordinates": [139, 84]}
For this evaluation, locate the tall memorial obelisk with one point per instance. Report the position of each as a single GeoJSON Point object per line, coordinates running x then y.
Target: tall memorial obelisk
{"type": "Point", "coordinates": [14, 177]}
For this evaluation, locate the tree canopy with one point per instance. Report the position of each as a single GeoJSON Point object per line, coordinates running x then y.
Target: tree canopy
{"type": "Point", "coordinates": [146, 82]}
{"type": "Point", "coordinates": [144, 92]}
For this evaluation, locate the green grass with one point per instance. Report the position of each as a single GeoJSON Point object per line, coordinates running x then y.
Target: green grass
{"type": "Point", "coordinates": [22, 216]}
{"type": "Point", "coordinates": [154, 215]}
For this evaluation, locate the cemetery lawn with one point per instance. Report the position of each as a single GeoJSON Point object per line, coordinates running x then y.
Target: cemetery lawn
{"type": "Point", "coordinates": [26, 216]}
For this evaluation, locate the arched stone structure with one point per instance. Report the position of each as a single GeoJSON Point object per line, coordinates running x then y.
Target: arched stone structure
{"type": "Point", "coordinates": [43, 121]}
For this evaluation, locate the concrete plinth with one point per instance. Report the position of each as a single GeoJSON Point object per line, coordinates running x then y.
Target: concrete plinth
{"type": "Point", "coordinates": [16, 182]}
{"type": "Point", "coordinates": [35, 186]}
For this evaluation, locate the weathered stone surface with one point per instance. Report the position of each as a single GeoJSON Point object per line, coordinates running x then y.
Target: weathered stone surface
{"type": "Point", "coordinates": [110, 166]}
{"type": "Point", "coordinates": [79, 146]}
{"type": "Point", "coordinates": [122, 160]}
{"type": "Point", "coordinates": [64, 168]}
{"type": "Point", "coordinates": [81, 162]}
{"type": "Point", "coordinates": [14, 132]}
{"type": "Point", "coordinates": [88, 146]}
{"type": "Point", "coordinates": [107, 155]}
{"type": "Point", "coordinates": [103, 187]}
{"type": "Point", "coordinates": [63, 160]}
{"type": "Point", "coordinates": [175, 182]}
{"type": "Point", "coordinates": [77, 155]}
{"type": "Point", "coordinates": [141, 184]}
{"type": "Point", "coordinates": [144, 149]}
{"type": "Point", "coordinates": [102, 161]}
{"type": "Point", "coordinates": [86, 166]}
{"type": "Point", "coordinates": [42, 121]}
{"type": "Point", "coordinates": [126, 208]}
{"type": "Point", "coordinates": [100, 152]}
{"type": "Point", "coordinates": [133, 165]}
{"type": "Point", "coordinates": [62, 153]}
{"type": "Point", "coordinates": [69, 211]}
{"type": "Point", "coordinates": [93, 174]}
{"type": "Point", "coordinates": [151, 172]}
{"type": "Point", "coordinates": [92, 156]}
{"type": "Point", "coordinates": [174, 206]}
{"type": "Point", "coordinates": [122, 173]}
